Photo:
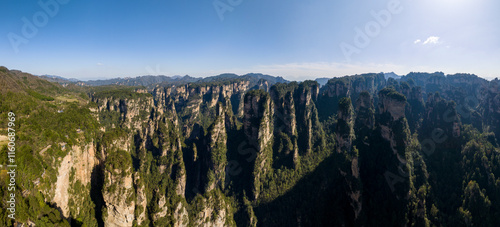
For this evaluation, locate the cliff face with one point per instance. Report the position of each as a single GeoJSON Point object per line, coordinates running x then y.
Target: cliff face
{"type": "Point", "coordinates": [349, 86]}
{"type": "Point", "coordinates": [136, 122]}
{"type": "Point", "coordinates": [330, 94]}
{"type": "Point", "coordinates": [388, 144]}
{"type": "Point", "coordinates": [392, 102]}
{"type": "Point", "coordinates": [392, 122]}
{"type": "Point", "coordinates": [76, 169]}
{"type": "Point", "coordinates": [258, 129]}
{"type": "Point", "coordinates": [192, 101]}
{"type": "Point", "coordinates": [131, 111]}
{"type": "Point", "coordinates": [118, 191]}
{"type": "Point", "coordinates": [365, 118]}
{"type": "Point", "coordinates": [211, 207]}
{"type": "Point", "coordinates": [284, 103]}
{"type": "Point", "coordinates": [308, 125]}
{"type": "Point", "coordinates": [441, 117]}
{"type": "Point", "coordinates": [285, 126]}
{"type": "Point", "coordinates": [415, 108]}
{"type": "Point", "coordinates": [212, 210]}
{"type": "Point", "coordinates": [490, 107]}
{"type": "Point", "coordinates": [345, 140]}
{"type": "Point", "coordinates": [257, 123]}
{"type": "Point", "coordinates": [140, 123]}
{"type": "Point", "coordinates": [141, 200]}
{"type": "Point", "coordinates": [370, 83]}
{"type": "Point", "coordinates": [345, 123]}
{"type": "Point", "coordinates": [337, 88]}
{"type": "Point", "coordinates": [217, 148]}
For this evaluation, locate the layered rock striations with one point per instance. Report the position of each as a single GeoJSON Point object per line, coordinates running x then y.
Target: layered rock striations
{"type": "Point", "coordinates": [118, 190]}
{"type": "Point", "coordinates": [345, 123]}
{"type": "Point", "coordinates": [258, 129]}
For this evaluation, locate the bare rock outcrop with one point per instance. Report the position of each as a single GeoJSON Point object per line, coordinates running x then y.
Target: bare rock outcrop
{"type": "Point", "coordinates": [118, 191]}
{"type": "Point", "coordinates": [76, 166]}
{"type": "Point", "coordinates": [212, 211]}
{"type": "Point", "coordinates": [258, 128]}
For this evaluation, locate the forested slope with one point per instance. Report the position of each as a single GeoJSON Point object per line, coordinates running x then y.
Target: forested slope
{"type": "Point", "coordinates": [359, 151]}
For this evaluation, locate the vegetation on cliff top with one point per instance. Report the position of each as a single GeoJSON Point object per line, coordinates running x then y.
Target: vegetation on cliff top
{"type": "Point", "coordinates": [445, 173]}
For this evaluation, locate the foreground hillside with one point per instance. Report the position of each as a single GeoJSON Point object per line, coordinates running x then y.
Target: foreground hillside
{"type": "Point", "coordinates": [361, 150]}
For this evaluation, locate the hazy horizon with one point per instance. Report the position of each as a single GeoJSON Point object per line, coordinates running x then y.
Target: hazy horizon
{"type": "Point", "coordinates": [242, 74]}
{"type": "Point", "coordinates": [312, 78]}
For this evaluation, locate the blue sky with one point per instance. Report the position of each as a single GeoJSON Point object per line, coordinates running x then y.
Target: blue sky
{"type": "Point", "coordinates": [295, 39]}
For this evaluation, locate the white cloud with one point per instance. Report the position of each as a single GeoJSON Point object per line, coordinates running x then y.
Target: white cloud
{"type": "Point", "coordinates": [432, 40]}
{"type": "Point", "coordinates": [417, 41]}
{"type": "Point", "coordinates": [100, 64]}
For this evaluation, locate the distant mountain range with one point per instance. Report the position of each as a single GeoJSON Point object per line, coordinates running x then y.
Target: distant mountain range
{"type": "Point", "coordinates": [256, 80]}
{"type": "Point", "coordinates": [58, 79]}
{"type": "Point", "coordinates": [149, 80]}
